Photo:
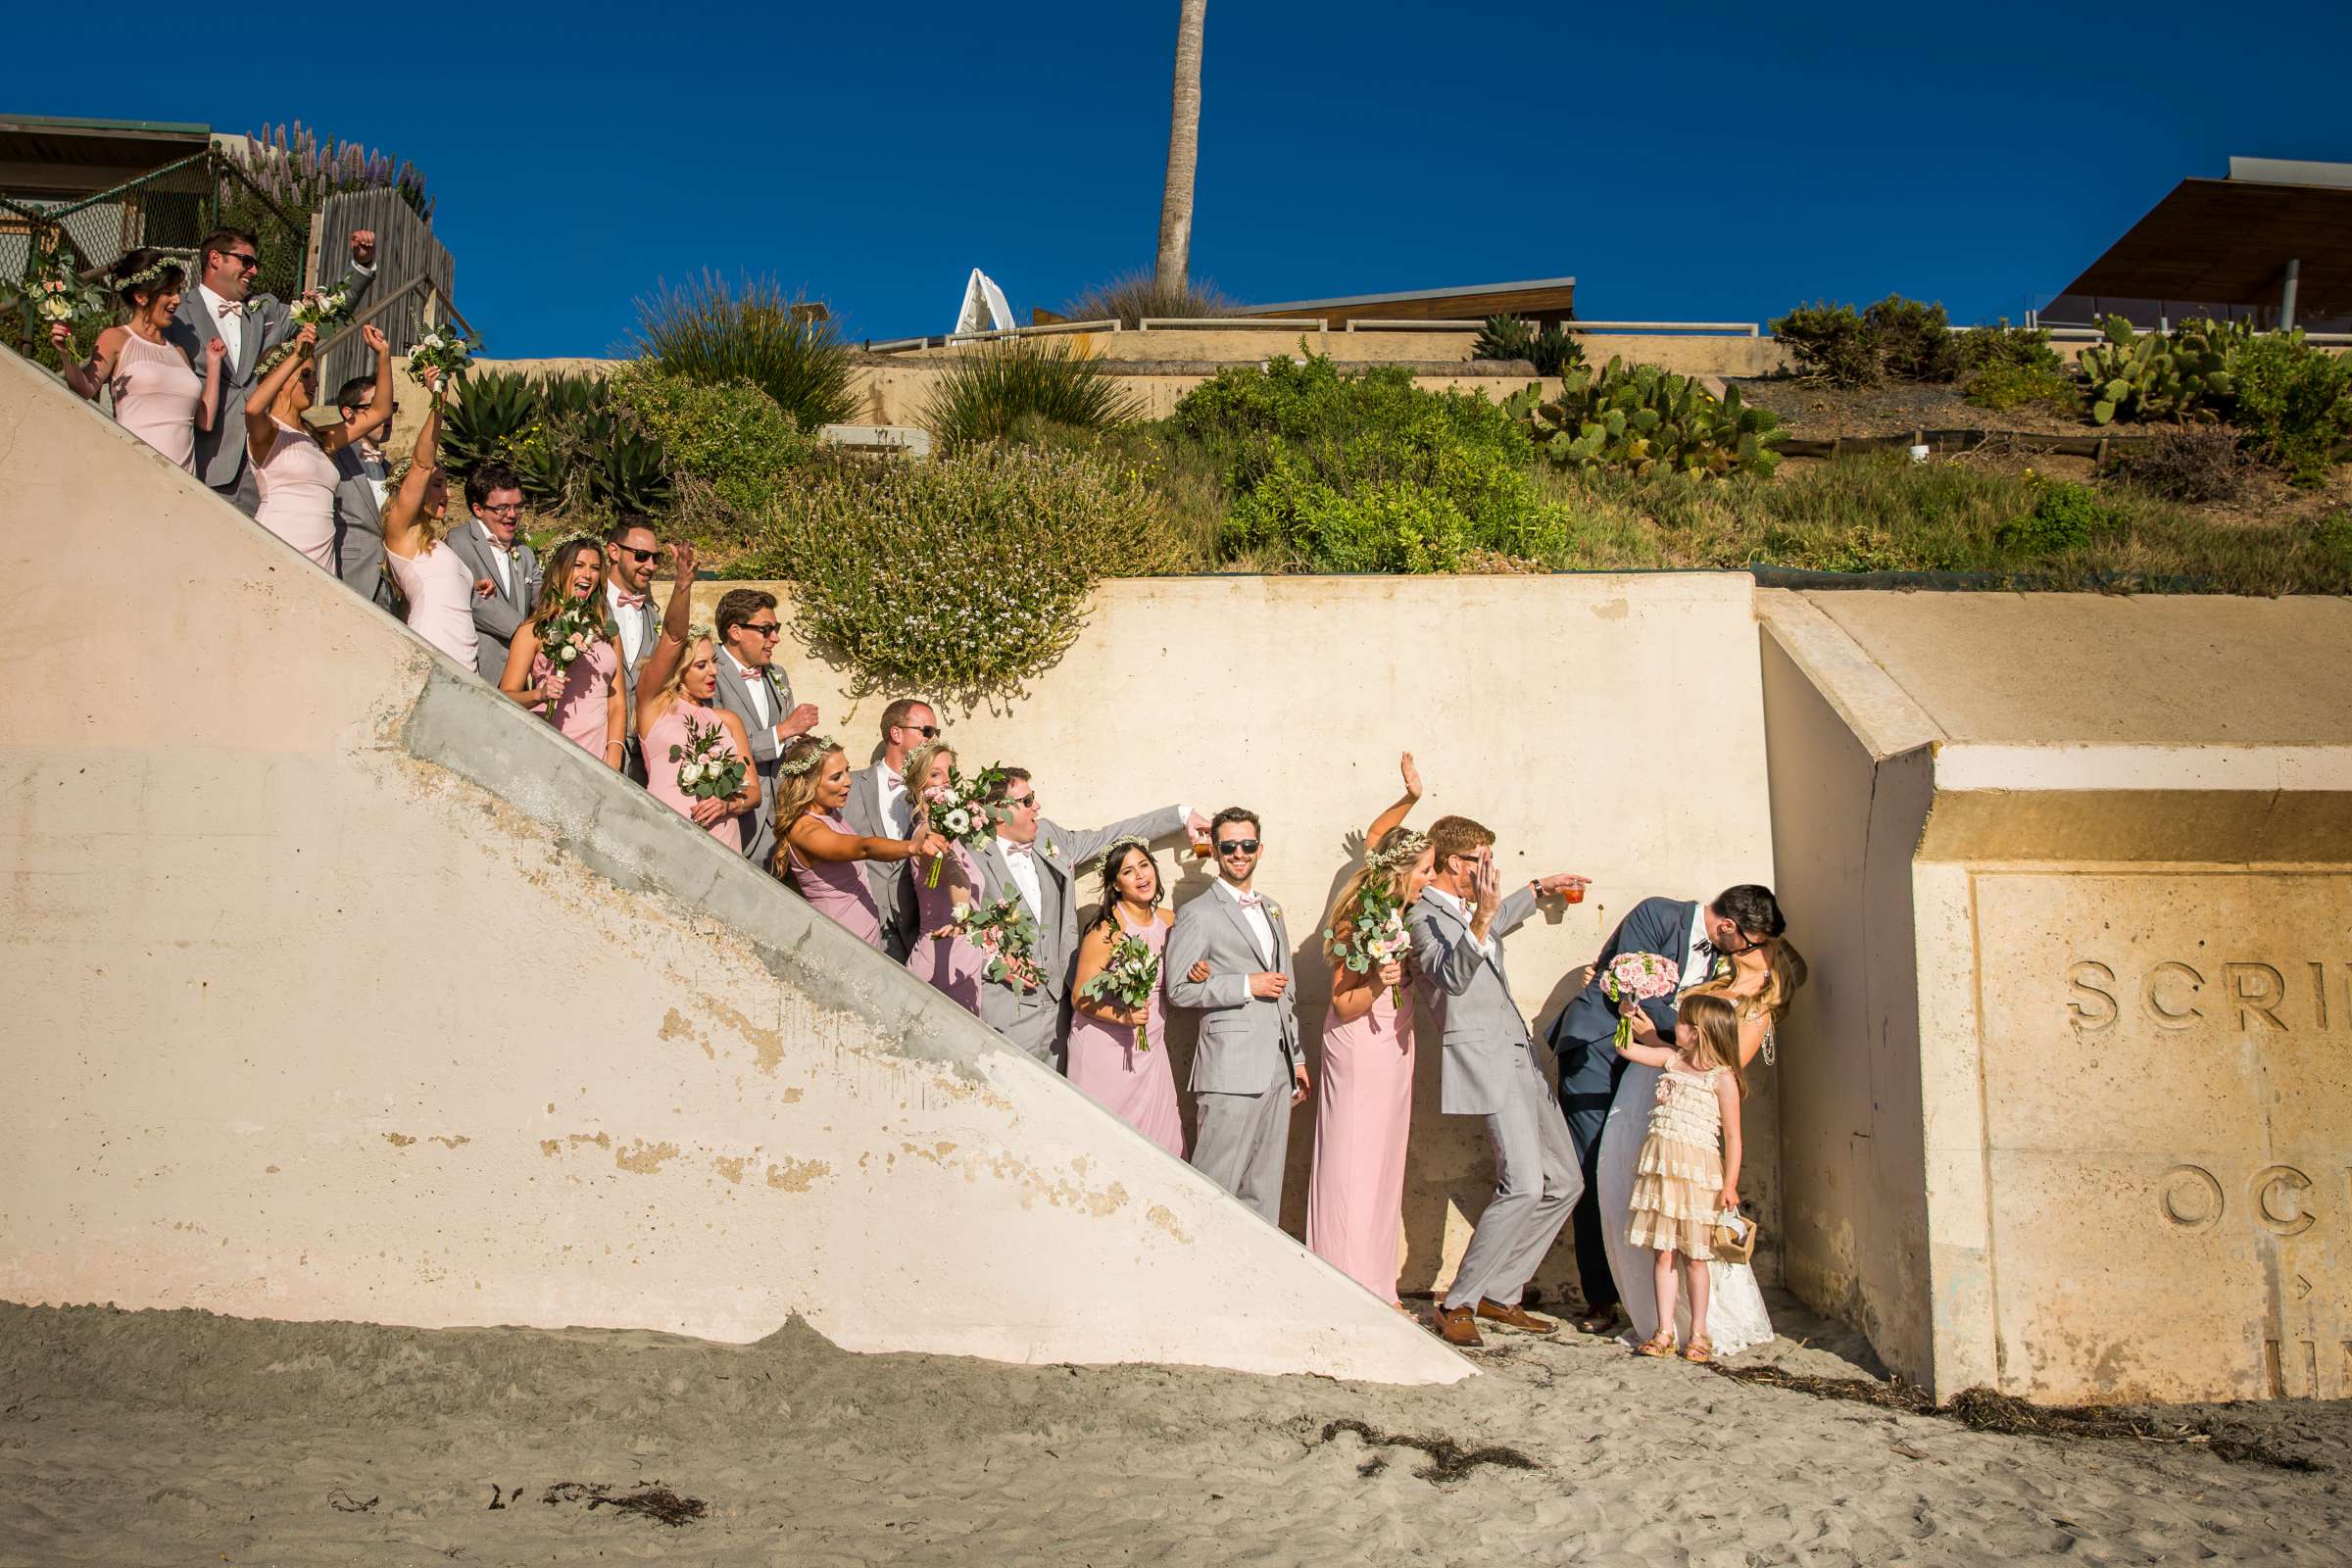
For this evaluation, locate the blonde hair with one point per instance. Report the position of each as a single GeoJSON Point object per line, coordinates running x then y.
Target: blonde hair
{"type": "Point", "coordinates": [1340, 923]}
{"type": "Point", "coordinates": [795, 792]}
{"type": "Point", "coordinates": [1715, 1024]}
{"type": "Point", "coordinates": [1785, 974]}
{"type": "Point", "coordinates": [919, 760]}
{"type": "Point", "coordinates": [675, 681]}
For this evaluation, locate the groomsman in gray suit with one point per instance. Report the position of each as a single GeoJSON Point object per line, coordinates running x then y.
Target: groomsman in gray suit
{"type": "Point", "coordinates": [224, 306]}
{"type": "Point", "coordinates": [756, 691]}
{"type": "Point", "coordinates": [1458, 925]}
{"type": "Point", "coordinates": [631, 552]}
{"type": "Point", "coordinates": [1249, 1069]}
{"type": "Point", "coordinates": [1037, 861]}
{"type": "Point", "coordinates": [879, 807]}
{"type": "Point", "coordinates": [506, 570]}
{"type": "Point", "coordinates": [360, 478]}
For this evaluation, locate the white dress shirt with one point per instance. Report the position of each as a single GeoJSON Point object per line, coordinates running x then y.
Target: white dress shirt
{"type": "Point", "coordinates": [1022, 859]}
{"type": "Point", "coordinates": [1447, 901]}
{"type": "Point", "coordinates": [1261, 929]}
{"type": "Point", "coordinates": [1697, 966]}
{"type": "Point", "coordinates": [892, 790]}
{"type": "Point", "coordinates": [632, 624]}
{"type": "Point", "coordinates": [232, 326]}
{"type": "Point", "coordinates": [754, 681]}
{"type": "Point", "coordinates": [499, 560]}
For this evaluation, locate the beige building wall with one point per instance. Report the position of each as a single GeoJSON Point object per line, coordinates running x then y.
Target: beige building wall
{"type": "Point", "coordinates": [339, 987]}
{"type": "Point", "coordinates": [1531, 704]}
{"type": "Point", "coordinates": [2078, 870]}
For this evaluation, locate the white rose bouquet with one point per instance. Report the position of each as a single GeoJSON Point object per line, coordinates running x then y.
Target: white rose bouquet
{"type": "Point", "coordinates": [568, 636]}
{"type": "Point", "coordinates": [444, 349]}
{"type": "Point", "coordinates": [707, 767]}
{"type": "Point", "coordinates": [1128, 980]}
{"type": "Point", "coordinates": [960, 810]}
{"type": "Point", "coordinates": [328, 310]}
{"type": "Point", "coordinates": [60, 295]}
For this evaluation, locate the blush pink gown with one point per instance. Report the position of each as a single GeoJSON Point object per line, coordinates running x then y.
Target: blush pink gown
{"type": "Point", "coordinates": [1139, 1086]}
{"type": "Point", "coordinates": [837, 888]}
{"type": "Point", "coordinates": [949, 965]}
{"type": "Point", "coordinates": [157, 397]}
{"type": "Point", "coordinates": [661, 774]}
{"type": "Point", "coordinates": [580, 709]}
{"type": "Point", "coordinates": [297, 481]}
{"type": "Point", "coordinates": [1363, 1115]}
{"type": "Point", "coordinates": [439, 589]}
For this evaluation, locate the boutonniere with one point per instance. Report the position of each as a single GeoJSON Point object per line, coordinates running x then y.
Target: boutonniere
{"type": "Point", "coordinates": [1052, 852]}
{"type": "Point", "coordinates": [1273, 909]}
{"type": "Point", "coordinates": [253, 307]}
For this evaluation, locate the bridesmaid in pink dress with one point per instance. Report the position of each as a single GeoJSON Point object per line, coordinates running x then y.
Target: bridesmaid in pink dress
{"type": "Point", "coordinates": [158, 396]}
{"type": "Point", "coordinates": [674, 692]}
{"type": "Point", "coordinates": [1365, 1115]}
{"type": "Point", "coordinates": [433, 579]}
{"type": "Point", "coordinates": [943, 957]}
{"type": "Point", "coordinates": [294, 465]}
{"type": "Point", "coordinates": [816, 852]}
{"type": "Point", "coordinates": [1132, 1080]}
{"type": "Point", "coordinates": [584, 701]}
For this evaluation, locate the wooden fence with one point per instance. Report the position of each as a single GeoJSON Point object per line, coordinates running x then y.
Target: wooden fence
{"type": "Point", "coordinates": [406, 252]}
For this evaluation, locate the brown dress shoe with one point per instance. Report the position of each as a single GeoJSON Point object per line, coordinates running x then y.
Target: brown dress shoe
{"type": "Point", "coordinates": [1515, 1316]}
{"type": "Point", "coordinates": [1456, 1326]}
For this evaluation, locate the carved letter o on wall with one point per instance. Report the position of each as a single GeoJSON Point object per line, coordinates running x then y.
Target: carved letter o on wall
{"type": "Point", "coordinates": [2192, 1198]}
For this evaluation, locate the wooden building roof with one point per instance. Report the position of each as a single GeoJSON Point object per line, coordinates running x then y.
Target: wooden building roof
{"type": "Point", "coordinates": [1542, 300]}
{"type": "Point", "coordinates": [55, 158]}
{"type": "Point", "coordinates": [2227, 242]}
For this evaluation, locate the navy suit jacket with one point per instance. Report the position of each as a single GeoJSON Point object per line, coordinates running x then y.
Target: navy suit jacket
{"type": "Point", "coordinates": [1581, 1036]}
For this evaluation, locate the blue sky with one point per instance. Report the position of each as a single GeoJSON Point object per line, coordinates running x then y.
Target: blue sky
{"type": "Point", "coordinates": [1681, 162]}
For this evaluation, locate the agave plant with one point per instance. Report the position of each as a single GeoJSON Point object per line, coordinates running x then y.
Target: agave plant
{"type": "Point", "coordinates": [632, 473]}
{"type": "Point", "coordinates": [487, 420]}
{"type": "Point", "coordinates": [1551, 351]}
{"type": "Point", "coordinates": [1643, 419]}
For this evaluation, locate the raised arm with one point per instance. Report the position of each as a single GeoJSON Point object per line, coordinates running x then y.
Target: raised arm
{"type": "Point", "coordinates": [1393, 817]}
{"type": "Point", "coordinates": [678, 622]}
{"type": "Point", "coordinates": [379, 412]}
{"type": "Point", "coordinates": [216, 349]}
{"type": "Point", "coordinates": [260, 433]}
{"type": "Point", "coordinates": [406, 508]}
{"type": "Point", "coordinates": [817, 842]}
{"type": "Point", "coordinates": [1083, 844]}
{"type": "Point", "coordinates": [87, 379]}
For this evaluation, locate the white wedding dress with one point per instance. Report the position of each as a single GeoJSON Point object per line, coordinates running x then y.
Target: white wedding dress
{"type": "Point", "coordinates": [1736, 1316]}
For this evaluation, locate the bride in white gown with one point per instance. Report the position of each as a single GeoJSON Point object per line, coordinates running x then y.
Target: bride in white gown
{"type": "Point", "coordinates": [1760, 984]}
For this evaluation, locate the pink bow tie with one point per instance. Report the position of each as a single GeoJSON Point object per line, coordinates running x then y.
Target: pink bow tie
{"type": "Point", "coordinates": [1010, 849]}
{"type": "Point", "coordinates": [1249, 899]}
{"type": "Point", "coordinates": [229, 307]}
{"type": "Point", "coordinates": [633, 601]}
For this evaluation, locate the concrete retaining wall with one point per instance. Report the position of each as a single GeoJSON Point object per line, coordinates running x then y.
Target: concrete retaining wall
{"type": "Point", "coordinates": [338, 987]}
{"type": "Point", "coordinates": [2072, 1108]}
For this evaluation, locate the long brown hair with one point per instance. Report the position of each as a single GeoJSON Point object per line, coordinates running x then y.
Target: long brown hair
{"type": "Point", "coordinates": [1716, 1024]}
{"type": "Point", "coordinates": [1785, 974]}
{"type": "Point", "coordinates": [553, 596]}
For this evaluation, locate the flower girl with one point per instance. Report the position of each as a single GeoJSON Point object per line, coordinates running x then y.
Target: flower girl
{"type": "Point", "coordinates": [1689, 1168]}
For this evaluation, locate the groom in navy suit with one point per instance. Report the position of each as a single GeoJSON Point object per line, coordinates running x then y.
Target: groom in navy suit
{"type": "Point", "coordinates": [1696, 937]}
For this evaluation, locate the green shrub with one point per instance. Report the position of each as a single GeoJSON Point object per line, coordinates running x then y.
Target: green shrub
{"type": "Point", "coordinates": [730, 435]}
{"type": "Point", "coordinates": [987, 392]}
{"type": "Point", "coordinates": [1914, 340]}
{"type": "Point", "coordinates": [1552, 352]}
{"type": "Point", "coordinates": [1831, 343]}
{"type": "Point", "coordinates": [2065, 516]}
{"type": "Point", "coordinates": [1131, 297]}
{"type": "Point", "coordinates": [2001, 386]}
{"type": "Point", "coordinates": [1310, 454]}
{"type": "Point", "coordinates": [1641, 418]}
{"type": "Point", "coordinates": [2334, 536]}
{"type": "Point", "coordinates": [965, 576]}
{"type": "Point", "coordinates": [2294, 404]}
{"type": "Point", "coordinates": [715, 332]}
{"type": "Point", "coordinates": [2025, 348]}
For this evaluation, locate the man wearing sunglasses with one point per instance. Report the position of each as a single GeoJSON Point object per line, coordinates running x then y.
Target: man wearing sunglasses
{"type": "Point", "coordinates": [1696, 937]}
{"type": "Point", "coordinates": [631, 552]}
{"type": "Point", "coordinates": [878, 807]}
{"type": "Point", "coordinates": [225, 306]}
{"type": "Point", "coordinates": [753, 687]}
{"type": "Point", "coordinates": [1249, 1069]}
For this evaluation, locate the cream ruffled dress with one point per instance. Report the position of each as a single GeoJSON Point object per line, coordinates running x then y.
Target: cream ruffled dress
{"type": "Point", "coordinates": [1679, 1182]}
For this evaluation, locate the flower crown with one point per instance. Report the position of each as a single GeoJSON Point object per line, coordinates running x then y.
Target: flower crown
{"type": "Point", "coordinates": [818, 748]}
{"type": "Point", "coordinates": [1111, 851]}
{"type": "Point", "coordinates": [1406, 850]}
{"type": "Point", "coordinates": [153, 274]}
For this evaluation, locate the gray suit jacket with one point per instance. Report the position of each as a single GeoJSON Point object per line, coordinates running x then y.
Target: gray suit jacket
{"type": "Point", "coordinates": [221, 451]}
{"type": "Point", "coordinates": [1035, 1019]}
{"type": "Point", "coordinates": [360, 526]}
{"type": "Point", "coordinates": [734, 695]}
{"type": "Point", "coordinates": [496, 618]}
{"type": "Point", "coordinates": [1482, 1027]}
{"type": "Point", "coordinates": [1243, 1038]}
{"type": "Point", "coordinates": [890, 880]}
{"type": "Point", "coordinates": [648, 619]}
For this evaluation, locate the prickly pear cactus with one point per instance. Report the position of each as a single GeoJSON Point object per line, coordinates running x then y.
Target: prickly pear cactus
{"type": "Point", "coordinates": [1642, 420]}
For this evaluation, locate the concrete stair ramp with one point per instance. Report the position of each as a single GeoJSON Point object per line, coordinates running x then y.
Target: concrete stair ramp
{"type": "Point", "coordinates": [339, 987]}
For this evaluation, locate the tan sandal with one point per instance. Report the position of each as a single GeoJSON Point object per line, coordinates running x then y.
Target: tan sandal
{"type": "Point", "coordinates": [1660, 1343]}
{"type": "Point", "coordinates": [1699, 1351]}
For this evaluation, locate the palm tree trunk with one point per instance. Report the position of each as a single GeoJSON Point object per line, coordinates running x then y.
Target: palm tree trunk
{"type": "Point", "coordinates": [1171, 274]}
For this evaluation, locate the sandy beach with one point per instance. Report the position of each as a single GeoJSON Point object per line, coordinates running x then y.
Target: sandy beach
{"type": "Point", "coordinates": [178, 1438]}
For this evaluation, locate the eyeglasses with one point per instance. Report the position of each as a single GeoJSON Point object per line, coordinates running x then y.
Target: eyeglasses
{"type": "Point", "coordinates": [641, 556]}
{"type": "Point", "coordinates": [505, 509]}
{"type": "Point", "coordinates": [1237, 846]}
{"type": "Point", "coordinates": [926, 731]}
{"type": "Point", "coordinates": [241, 258]}
{"type": "Point", "coordinates": [763, 628]}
